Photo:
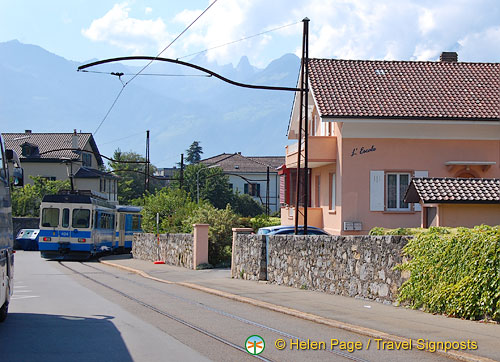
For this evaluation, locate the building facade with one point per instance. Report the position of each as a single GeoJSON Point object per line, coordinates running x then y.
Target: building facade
{"type": "Point", "coordinates": [63, 156]}
{"type": "Point", "coordinates": [375, 125]}
{"type": "Point", "coordinates": [256, 176]}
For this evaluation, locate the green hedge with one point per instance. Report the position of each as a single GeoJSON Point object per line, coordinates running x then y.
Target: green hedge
{"type": "Point", "coordinates": [455, 273]}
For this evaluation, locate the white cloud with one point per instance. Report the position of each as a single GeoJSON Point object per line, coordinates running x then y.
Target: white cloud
{"type": "Point", "coordinates": [348, 29]}
{"type": "Point", "coordinates": [117, 28]}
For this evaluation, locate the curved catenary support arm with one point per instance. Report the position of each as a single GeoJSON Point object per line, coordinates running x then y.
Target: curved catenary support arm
{"type": "Point", "coordinates": [197, 67]}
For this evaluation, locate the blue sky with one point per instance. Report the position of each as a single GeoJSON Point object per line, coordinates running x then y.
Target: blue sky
{"type": "Point", "coordinates": [356, 29]}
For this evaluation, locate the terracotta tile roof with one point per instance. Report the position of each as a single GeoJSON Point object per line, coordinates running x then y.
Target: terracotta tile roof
{"type": "Point", "coordinates": [406, 89]}
{"type": "Point", "coordinates": [50, 141]}
{"type": "Point", "coordinates": [237, 163]}
{"type": "Point", "coordinates": [454, 190]}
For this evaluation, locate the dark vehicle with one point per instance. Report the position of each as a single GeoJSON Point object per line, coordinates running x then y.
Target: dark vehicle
{"type": "Point", "coordinates": [289, 230]}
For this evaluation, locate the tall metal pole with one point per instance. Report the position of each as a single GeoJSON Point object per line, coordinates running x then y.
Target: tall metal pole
{"type": "Point", "coordinates": [146, 176]}
{"type": "Point", "coordinates": [267, 192]}
{"type": "Point", "coordinates": [306, 130]}
{"type": "Point", "coordinates": [182, 170]}
{"type": "Point", "coordinates": [299, 150]}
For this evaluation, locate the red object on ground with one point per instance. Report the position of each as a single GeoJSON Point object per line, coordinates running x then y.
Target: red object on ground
{"type": "Point", "coordinates": [159, 262]}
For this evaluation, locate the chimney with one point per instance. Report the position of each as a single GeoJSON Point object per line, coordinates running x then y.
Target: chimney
{"type": "Point", "coordinates": [74, 140]}
{"type": "Point", "coordinates": [27, 131]}
{"type": "Point", "coordinates": [449, 57]}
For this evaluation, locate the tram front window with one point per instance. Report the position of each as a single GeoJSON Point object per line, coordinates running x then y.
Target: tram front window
{"type": "Point", "coordinates": [50, 217]}
{"type": "Point", "coordinates": [81, 218]}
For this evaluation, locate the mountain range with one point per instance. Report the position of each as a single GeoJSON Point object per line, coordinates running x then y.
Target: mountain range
{"type": "Point", "coordinates": [44, 92]}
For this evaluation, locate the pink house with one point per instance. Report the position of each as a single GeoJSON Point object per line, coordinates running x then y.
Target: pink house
{"type": "Point", "coordinates": [375, 125]}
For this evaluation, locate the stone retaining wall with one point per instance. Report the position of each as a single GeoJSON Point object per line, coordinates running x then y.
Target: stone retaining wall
{"type": "Point", "coordinates": [354, 266]}
{"type": "Point", "coordinates": [249, 257]}
{"type": "Point", "coordinates": [175, 249]}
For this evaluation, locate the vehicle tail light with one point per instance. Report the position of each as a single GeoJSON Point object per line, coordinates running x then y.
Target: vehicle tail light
{"type": "Point", "coordinates": [47, 238]}
{"type": "Point", "coordinates": [81, 240]}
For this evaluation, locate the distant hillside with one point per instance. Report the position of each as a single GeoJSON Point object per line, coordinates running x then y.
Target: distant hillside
{"type": "Point", "coordinates": [44, 92]}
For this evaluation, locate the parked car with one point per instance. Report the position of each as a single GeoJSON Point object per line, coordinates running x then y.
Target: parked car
{"type": "Point", "coordinates": [289, 230]}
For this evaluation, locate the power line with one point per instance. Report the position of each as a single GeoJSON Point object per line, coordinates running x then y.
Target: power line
{"type": "Point", "coordinates": [147, 65]}
{"type": "Point", "coordinates": [173, 41]}
{"type": "Point", "coordinates": [242, 39]}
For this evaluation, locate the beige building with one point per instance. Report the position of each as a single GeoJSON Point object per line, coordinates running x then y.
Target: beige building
{"type": "Point", "coordinates": [63, 156]}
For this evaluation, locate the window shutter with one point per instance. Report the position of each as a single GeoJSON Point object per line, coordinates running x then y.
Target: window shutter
{"type": "Point", "coordinates": [376, 190]}
{"type": "Point", "coordinates": [416, 206]}
{"type": "Point", "coordinates": [245, 189]}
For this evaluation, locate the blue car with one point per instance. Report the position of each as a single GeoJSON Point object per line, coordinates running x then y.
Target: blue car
{"type": "Point", "coordinates": [289, 230]}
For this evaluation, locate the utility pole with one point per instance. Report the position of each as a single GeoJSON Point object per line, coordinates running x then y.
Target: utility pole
{"type": "Point", "coordinates": [182, 171]}
{"type": "Point", "coordinates": [267, 192]}
{"type": "Point", "coordinates": [305, 87]}
{"type": "Point", "coordinates": [146, 176]}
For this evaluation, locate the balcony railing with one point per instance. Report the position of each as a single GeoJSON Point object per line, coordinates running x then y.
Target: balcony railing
{"type": "Point", "coordinates": [322, 151]}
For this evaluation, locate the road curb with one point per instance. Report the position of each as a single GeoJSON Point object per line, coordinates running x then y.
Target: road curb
{"type": "Point", "coordinates": [369, 332]}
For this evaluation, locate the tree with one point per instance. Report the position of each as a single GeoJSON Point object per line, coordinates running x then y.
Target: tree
{"type": "Point", "coordinates": [26, 200]}
{"type": "Point", "coordinates": [213, 184]}
{"type": "Point", "coordinates": [131, 181]}
{"type": "Point", "coordinates": [194, 153]}
{"type": "Point", "coordinates": [220, 234]}
{"type": "Point", "coordinates": [174, 207]}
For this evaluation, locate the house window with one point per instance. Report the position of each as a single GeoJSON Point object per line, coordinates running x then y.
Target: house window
{"type": "Point", "coordinates": [102, 186]}
{"type": "Point", "coordinates": [87, 159]}
{"type": "Point", "coordinates": [331, 205]}
{"type": "Point", "coordinates": [252, 189]}
{"type": "Point", "coordinates": [396, 185]}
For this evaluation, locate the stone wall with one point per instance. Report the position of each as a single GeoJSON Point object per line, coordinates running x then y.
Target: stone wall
{"type": "Point", "coordinates": [249, 257]}
{"type": "Point", "coordinates": [175, 249]}
{"type": "Point", "coordinates": [354, 266]}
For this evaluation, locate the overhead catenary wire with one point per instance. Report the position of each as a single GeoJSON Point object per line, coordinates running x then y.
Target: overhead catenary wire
{"type": "Point", "coordinates": [239, 40]}
{"type": "Point", "coordinates": [148, 64]}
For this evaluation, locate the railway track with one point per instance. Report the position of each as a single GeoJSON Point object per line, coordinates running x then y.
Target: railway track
{"type": "Point", "coordinates": [190, 325]}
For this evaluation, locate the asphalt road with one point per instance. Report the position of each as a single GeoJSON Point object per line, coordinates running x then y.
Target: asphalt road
{"type": "Point", "coordinates": [73, 311]}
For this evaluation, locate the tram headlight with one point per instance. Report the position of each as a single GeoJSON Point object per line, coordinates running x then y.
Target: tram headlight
{"type": "Point", "coordinates": [81, 240]}
{"type": "Point", "coordinates": [47, 238]}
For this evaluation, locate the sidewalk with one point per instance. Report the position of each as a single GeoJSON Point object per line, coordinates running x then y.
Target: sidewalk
{"type": "Point", "coordinates": [365, 317]}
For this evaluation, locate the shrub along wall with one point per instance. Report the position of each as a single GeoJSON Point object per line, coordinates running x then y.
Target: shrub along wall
{"type": "Point", "coordinates": [455, 273]}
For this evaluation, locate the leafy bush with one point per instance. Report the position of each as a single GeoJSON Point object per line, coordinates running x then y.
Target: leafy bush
{"type": "Point", "coordinates": [246, 206]}
{"type": "Point", "coordinates": [174, 206]}
{"type": "Point", "coordinates": [377, 231]}
{"type": "Point", "coordinates": [261, 221]}
{"type": "Point", "coordinates": [456, 273]}
{"type": "Point", "coordinates": [220, 232]}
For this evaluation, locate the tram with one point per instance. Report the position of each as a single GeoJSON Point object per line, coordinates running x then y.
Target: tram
{"type": "Point", "coordinates": [76, 225]}
{"type": "Point", "coordinates": [128, 222]}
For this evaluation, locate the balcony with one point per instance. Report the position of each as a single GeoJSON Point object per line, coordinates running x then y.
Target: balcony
{"type": "Point", "coordinates": [322, 151]}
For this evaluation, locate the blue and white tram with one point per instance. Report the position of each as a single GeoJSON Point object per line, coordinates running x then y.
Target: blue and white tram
{"type": "Point", "coordinates": [76, 225]}
{"type": "Point", "coordinates": [128, 223]}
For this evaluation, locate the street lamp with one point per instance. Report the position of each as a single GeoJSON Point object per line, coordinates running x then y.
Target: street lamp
{"type": "Point", "coordinates": [198, 181]}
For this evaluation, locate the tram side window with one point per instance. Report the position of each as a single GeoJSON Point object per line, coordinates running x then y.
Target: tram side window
{"type": "Point", "coordinates": [136, 222]}
{"type": "Point", "coordinates": [65, 218]}
{"type": "Point", "coordinates": [81, 218]}
{"type": "Point", "coordinates": [50, 217]}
